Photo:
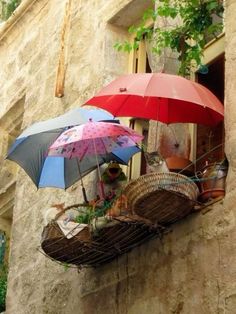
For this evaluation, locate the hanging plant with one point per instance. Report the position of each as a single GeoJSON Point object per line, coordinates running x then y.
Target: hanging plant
{"type": "Point", "coordinates": [3, 286]}
{"type": "Point", "coordinates": [8, 7]}
{"type": "Point", "coordinates": [187, 38]}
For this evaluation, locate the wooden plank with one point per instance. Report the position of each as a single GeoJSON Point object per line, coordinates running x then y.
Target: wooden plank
{"type": "Point", "coordinates": [61, 70]}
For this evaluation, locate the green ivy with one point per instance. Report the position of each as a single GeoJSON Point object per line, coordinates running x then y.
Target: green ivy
{"type": "Point", "coordinates": [3, 286]}
{"type": "Point", "coordinates": [187, 39]}
{"type": "Point", "coordinates": [8, 7]}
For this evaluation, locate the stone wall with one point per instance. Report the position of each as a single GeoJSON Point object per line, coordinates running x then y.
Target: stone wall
{"type": "Point", "coordinates": [189, 270]}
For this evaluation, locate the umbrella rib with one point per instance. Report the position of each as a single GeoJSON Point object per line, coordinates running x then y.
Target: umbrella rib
{"type": "Point", "coordinates": [99, 172]}
{"type": "Point", "coordinates": [200, 102]}
{"type": "Point", "coordinates": [149, 82]}
{"type": "Point", "coordinates": [96, 156]}
{"type": "Point", "coordinates": [39, 177]}
{"type": "Point", "coordinates": [122, 105]}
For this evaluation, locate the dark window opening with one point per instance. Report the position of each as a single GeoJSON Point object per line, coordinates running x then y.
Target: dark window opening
{"type": "Point", "coordinates": [148, 68]}
{"type": "Point", "coordinates": [210, 137]}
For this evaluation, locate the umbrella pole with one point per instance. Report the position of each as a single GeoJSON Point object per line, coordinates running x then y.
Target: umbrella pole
{"type": "Point", "coordinates": [82, 183]}
{"type": "Point", "coordinates": [99, 172]}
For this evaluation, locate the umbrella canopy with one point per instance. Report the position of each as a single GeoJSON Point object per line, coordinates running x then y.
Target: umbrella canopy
{"type": "Point", "coordinates": [59, 172]}
{"type": "Point", "coordinates": [73, 117]}
{"type": "Point", "coordinates": [122, 155]}
{"type": "Point", "coordinates": [93, 138]}
{"type": "Point", "coordinates": [31, 148]}
{"type": "Point", "coordinates": [159, 96]}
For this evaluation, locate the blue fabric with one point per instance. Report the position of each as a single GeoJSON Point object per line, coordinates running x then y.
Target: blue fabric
{"type": "Point", "coordinates": [95, 114]}
{"type": "Point", "coordinates": [15, 144]}
{"type": "Point", "coordinates": [73, 117]}
{"type": "Point", "coordinates": [30, 150]}
{"type": "Point", "coordinates": [126, 154]}
{"type": "Point", "coordinates": [53, 170]}
{"type": "Point", "coordinates": [52, 173]}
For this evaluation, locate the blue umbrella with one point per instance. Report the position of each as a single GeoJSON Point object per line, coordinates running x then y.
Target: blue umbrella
{"type": "Point", "coordinates": [122, 155]}
{"type": "Point", "coordinates": [54, 168]}
{"type": "Point", "coordinates": [31, 147]}
{"type": "Point", "coordinates": [73, 117]}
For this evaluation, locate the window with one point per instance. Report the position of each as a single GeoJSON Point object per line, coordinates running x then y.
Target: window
{"type": "Point", "coordinates": [208, 138]}
{"type": "Point", "coordinates": [209, 143]}
{"type": "Point", "coordinates": [2, 246]}
{"type": "Point", "coordinates": [10, 128]}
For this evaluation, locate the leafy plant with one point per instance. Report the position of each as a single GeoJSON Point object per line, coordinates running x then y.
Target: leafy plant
{"type": "Point", "coordinates": [86, 214]}
{"type": "Point", "coordinates": [8, 7]}
{"type": "Point", "coordinates": [3, 286]}
{"type": "Point", "coordinates": [66, 266]}
{"type": "Point", "coordinates": [187, 38]}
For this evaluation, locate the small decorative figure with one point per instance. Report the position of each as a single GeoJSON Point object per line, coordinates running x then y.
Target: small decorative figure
{"type": "Point", "coordinates": [112, 173]}
{"type": "Point", "coordinates": [113, 179]}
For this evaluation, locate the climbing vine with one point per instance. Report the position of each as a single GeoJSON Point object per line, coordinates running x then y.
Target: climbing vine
{"type": "Point", "coordinates": [188, 38]}
{"type": "Point", "coordinates": [8, 7]}
{"type": "Point", "coordinates": [3, 286]}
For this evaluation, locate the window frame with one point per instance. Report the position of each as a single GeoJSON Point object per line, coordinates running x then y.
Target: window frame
{"type": "Point", "coordinates": [213, 50]}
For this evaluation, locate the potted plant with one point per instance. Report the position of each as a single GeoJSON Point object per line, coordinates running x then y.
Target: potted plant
{"type": "Point", "coordinates": [212, 180]}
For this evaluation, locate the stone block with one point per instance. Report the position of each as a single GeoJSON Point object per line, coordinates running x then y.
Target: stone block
{"type": "Point", "coordinates": [191, 269]}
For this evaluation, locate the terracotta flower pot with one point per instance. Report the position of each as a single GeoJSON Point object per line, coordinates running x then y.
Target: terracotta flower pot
{"type": "Point", "coordinates": [209, 194]}
{"type": "Point", "coordinates": [213, 181]}
{"type": "Point", "coordinates": [179, 164]}
{"type": "Point", "coordinates": [214, 176]}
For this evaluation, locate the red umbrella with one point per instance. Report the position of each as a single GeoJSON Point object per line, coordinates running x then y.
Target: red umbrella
{"type": "Point", "coordinates": [159, 96]}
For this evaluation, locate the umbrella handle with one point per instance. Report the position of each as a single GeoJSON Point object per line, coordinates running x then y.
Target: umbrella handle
{"type": "Point", "coordinates": [99, 172]}
{"type": "Point", "coordinates": [82, 184]}
{"type": "Point", "coordinates": [84, 195]}
{"type": "Point", "coordinates": [102, 189]}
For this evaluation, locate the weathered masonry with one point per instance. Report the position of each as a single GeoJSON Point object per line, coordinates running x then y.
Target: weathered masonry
{"type": "Point", "coordinates": [66, 47]}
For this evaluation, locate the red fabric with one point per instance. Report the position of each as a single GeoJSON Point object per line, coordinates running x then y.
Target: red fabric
{"type": "Point", "coordinates": [159, 96]}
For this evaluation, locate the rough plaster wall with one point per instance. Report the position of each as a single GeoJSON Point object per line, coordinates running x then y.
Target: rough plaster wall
{"type": "Point", "coordinates": [29, 57]}
{"type": "Point", "coordinates": [190, 270]}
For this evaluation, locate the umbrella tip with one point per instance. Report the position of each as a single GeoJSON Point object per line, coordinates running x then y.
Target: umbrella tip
{"type": "Point", "coordinates": [123, 89]}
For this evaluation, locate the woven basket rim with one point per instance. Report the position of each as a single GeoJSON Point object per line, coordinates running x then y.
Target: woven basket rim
{"type": "Point", "coordinates": [148, 183]}
{"type": "Point", "coordinates": [159, 175]}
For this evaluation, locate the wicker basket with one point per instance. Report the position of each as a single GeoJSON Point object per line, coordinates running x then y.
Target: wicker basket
{"type": "Point", "coordinates": [57, 246]}
{"type": "Point", "coordinates": [161, 197]}
{"type": "Point", "coordinates": [88, 249]}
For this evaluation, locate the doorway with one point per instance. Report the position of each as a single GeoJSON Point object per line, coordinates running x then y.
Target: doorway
{"type": "Point", "coordinates": [210, 140]}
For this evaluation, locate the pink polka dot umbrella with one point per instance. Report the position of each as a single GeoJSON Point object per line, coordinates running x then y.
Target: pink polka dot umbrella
{"type": "Point", "coordinates": [93, 138]}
